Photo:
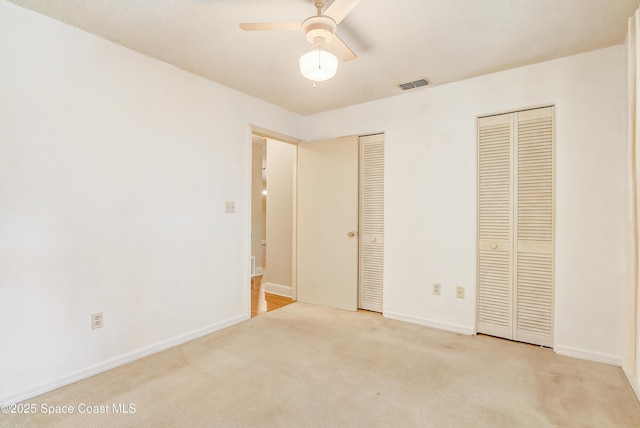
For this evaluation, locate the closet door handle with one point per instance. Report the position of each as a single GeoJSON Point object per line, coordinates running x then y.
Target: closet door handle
{"type": "Point", "coordinates": [494, 245]}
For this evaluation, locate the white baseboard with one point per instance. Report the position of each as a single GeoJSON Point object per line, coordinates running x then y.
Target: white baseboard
{"type": "Point", "coordinates": [456, 328]}
{"type": "Point", "coordinates": [583, 354]}
{"type": "Point", "coordinates": [635, 383]}
{"type": "Point", "coordinates": [277, 289]}
{"type": "Point", "coordinates": [119, 361]}
{"type": "Point", "coordinates": [259, 271]}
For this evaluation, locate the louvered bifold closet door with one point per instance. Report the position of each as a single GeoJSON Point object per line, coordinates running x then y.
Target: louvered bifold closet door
{"type": "Point", "coordinates": [495, 226]}
{"type": "Point", "coordinates": [371, 222]}
{"type": "Point", "coordinates": [534, 194]}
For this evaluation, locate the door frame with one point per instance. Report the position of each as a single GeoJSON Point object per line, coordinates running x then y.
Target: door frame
{"type": "Point", "coordinates": [274, 135]}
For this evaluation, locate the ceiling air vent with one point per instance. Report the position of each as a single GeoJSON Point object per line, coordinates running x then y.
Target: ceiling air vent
{"type": "Point", "coordinates": [415, 84]}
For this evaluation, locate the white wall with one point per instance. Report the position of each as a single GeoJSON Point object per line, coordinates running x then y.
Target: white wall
{"type": "Point", "coordinates": [114, 169]}
{"type": "Point", "coordinates": [430, 191]}
{"type": "Point", "coordinates": [281, 159]}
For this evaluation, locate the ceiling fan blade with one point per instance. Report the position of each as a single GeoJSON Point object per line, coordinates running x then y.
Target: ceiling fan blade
{"type": "Point", "coordinates": [339, 9]}
{"type": "Point", "coordinates": [341, 49]}
{"type": "Point", "coordinates": [271, 26]}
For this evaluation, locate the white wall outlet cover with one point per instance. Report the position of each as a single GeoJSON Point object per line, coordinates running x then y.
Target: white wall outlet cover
{"type": "Point", "coordinates": [229, 207]}
{"type": "Point", "coordinates": [436, 288]}
{"type": "Point", "coordinates": [96, 321]}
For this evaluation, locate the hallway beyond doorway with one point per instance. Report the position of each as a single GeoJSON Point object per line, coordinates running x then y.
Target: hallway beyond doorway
{"type": "Point", "coordinates": [262, 302]}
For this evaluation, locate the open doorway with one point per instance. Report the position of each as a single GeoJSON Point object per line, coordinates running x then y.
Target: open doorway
{"type": "Point", "coordinates": [273, 189]}
{"type": "Point", "coordinates": [316, 205]}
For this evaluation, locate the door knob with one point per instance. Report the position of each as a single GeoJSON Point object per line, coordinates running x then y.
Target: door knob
{"type": "Point", "coordinates": [373, 239]}
{"type": "Point", "coordinates": [494, 246]}
{"type": "Point", "coordinates": [351, 234]}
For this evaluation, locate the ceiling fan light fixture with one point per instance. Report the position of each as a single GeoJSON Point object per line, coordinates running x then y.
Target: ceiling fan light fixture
{"type": "Point", "coordinates": [318, 65]}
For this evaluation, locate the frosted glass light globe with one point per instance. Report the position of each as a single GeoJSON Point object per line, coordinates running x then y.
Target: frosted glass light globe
{"type": "Point", "coordinates": [318, 65]}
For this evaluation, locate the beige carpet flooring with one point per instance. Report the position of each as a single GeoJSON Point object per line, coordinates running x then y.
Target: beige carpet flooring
{"type": "Point", "coordinates": [308, 366]}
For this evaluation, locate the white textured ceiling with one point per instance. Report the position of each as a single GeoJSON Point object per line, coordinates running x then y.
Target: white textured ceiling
{"type": "Point", "coordinates": [396, 40]}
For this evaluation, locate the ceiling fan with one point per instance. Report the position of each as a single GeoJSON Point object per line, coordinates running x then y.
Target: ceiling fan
{"type": "Point", "coordinates": [320, 30]}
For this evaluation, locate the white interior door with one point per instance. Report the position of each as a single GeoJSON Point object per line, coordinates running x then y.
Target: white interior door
{"type": "Point", "coordinates": [328, 223]}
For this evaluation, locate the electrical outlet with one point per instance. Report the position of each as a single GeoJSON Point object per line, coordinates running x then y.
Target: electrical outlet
{"type": "Point", "coordinates": [230, 207]}
{"type": "Point", "coordinates": [436, 288]}
{"type": "Point", "coordinates": [96, 321]}
{"type": "Point", "coordinates": [460, 292]}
